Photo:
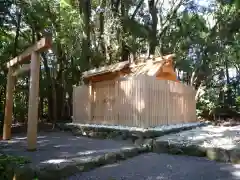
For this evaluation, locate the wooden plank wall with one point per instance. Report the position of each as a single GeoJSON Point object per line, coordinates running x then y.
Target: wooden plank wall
{"type": "Point", "coordinates": [80, 104]}
{"type": "Point", "coordinates": [142, 101]}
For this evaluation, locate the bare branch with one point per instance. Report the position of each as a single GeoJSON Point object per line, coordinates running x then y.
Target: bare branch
{"type": "Point", "coordinates": [137, 8]}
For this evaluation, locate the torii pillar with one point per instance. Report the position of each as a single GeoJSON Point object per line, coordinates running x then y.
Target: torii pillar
{"type": "Point", "coordinates": [32, 54]}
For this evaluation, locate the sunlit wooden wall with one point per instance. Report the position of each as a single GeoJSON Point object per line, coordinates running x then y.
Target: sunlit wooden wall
{"type": "Point", "coordinates": [142, 101]}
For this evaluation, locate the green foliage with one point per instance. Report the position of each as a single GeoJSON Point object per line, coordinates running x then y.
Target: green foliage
{"type": "Point", "coordinates": [8, 164]}
{"type": "Point", "coordinates": [208, 103]}
{"type": "Point", "coordinates": [89, 34]}
{"type": "Point", "coordinates": [238, 101]}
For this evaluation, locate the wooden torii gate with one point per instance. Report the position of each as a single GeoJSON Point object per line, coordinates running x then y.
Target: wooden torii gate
{"type": "Point", "coordinates": [33, 54]}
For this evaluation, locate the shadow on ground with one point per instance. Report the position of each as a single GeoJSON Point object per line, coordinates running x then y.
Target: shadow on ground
{"type": "Point", "coordinates": [60, 145]}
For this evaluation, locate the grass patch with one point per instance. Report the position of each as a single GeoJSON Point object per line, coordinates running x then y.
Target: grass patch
{"type": "Point", "coordinates": [8, 164]}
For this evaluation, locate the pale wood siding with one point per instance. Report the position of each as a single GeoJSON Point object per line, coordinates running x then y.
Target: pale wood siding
{"type": "Point", "coordinates": [141, 101]}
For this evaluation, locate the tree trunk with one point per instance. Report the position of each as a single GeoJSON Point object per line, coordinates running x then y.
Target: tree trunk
{"type": "Point", "coordinates": [229, 91]}
{"type": "Point", "coordinates": [101, 22]}
{"type": "Point", "coordinates": [200, 92]}
{"type": "Point", "coordinates": [153, 34]}
{"type": "Point", "coordinates": [41, 106]}
{"type": "Point", "coordinates": [125, 51]}
{"type": "Point", "coordinates": [85, 10]}
{"type": "Point", "coordinates": [19, 17]}
{"type": "Point", "coordinates": [51, 92]}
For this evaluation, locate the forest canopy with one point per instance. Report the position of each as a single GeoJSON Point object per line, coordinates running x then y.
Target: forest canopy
{"type": "Point", "coordinates": [204, 35]}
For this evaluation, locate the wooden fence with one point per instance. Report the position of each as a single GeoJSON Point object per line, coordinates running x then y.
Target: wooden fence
{"type": "Point", "coordinates": [142, 101]}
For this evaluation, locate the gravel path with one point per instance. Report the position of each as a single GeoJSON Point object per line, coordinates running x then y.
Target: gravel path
{"type": "Point", "coordinates": [208, 136]}
{"type": "Point", "coordinates": [163, 167]}
{"type": "Point", "coordinates": [151, 166]}
{"type": "Point", "coordinates": [60, 145]}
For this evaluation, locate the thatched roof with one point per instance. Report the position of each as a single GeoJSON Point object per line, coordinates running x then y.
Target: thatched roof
{"type": "Point", "coordinates": [106, 69]}
{"type": "Point", "coordinates": [149, 67]}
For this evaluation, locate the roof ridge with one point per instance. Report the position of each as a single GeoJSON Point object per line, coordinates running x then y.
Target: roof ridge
{"type": "Point", "coordinates": [123, 64]}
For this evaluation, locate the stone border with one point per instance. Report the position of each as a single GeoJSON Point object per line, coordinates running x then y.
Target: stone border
{"type": "Point", "coordinates": [120, 134]}
{"type": "Point", "coordinates": [143, 139]}
{"type": "Point", "coordinates": [217, 154]}
{"type": "Point", "coordinates": [76, 165]}
{"type": "Point", "coordinates": [79, 164]}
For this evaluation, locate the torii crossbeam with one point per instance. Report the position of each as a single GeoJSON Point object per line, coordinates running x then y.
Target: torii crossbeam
{"type": "Point", "coordinates": [33, 54]}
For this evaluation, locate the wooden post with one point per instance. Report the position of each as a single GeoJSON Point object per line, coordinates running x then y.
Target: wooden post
{"type": "Point", "coordinates": [33, 102]}
{"type": "Point", "coordinates": [146, 93]}
{"type": "Point", "coordinates": [90, 99]}
{"type": "Point", "coordinates": [116, 101]}
{"type": "Point", "coordinates": [73, 104]}
{"type": "Point", "coordinates": [9, 106]}
{"type": "Point", "coordinates": [30, 53]}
